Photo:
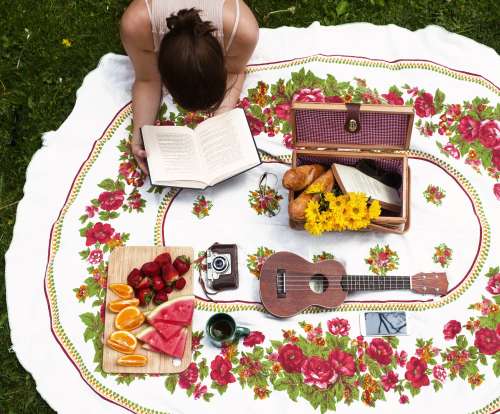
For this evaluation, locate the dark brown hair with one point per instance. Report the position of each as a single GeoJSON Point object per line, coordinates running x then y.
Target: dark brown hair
{"type": "Point", "coordinates": [191, 62]}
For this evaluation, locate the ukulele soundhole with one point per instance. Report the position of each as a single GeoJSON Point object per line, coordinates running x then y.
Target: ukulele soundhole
{"type": "Point", "coordinates": [318, 284]}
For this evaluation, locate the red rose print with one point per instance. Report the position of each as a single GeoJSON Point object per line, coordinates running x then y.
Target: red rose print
{"type": "Point", "coordinates": [404, 399]}
{"type": "Point", "coordinates": [91, 210]}
{"type": "Point", "coordinates": [102, 312]}
{"type": "Point", "coordinates": [164, 122]}
{"type": "Point", "coordinates": [393, 98]}
{"type": "Point", "coordinates": [288, 141]}
{"type": "Point", "coordinates": [99, 233]}
{"type": "Point", "coordinates": [338, 326]}
{"type": "Point", "coordinates": [452, 150]}
{"type": "Point", "coordinates": [244, 103]}
{"type": "Point", "coordinates": [401, 358]}
{"type": "Point", "coordinates": [189, 376]}
{"type": "Point", "coordinates": [389, 380]}
{"type": "Point", "coordinates": [254, 338]}
{"type": "Point", "coordinates": [309, 95]}
{"type": "Point", "coordinates": [496, 158]}
{"type": "Point", "coordinates": [291, 357]}
{"type": "Point", "coordinates": [439, 372]}
{"type": "Point", "coordinates": [319, 372]}
{"type": "Point", "coordinates": [283, 111]}
{"type": "Point", "coordinates": [126, 168]}
{"type": "Point", "coordinates": [496, 190]}
{"type": "Point", "coordinates": [454, 111]}
{"type": "Point", "coordinates": [380, 351]}
{"type": "Point", "coordinates": [469, 128]}
{"type": "Point", "coordinates": [199, 390]}
{"type": "Point", "coordinates": [451, 329]}
{"type": "Point", "coordinates": [494, 284]}
{"type": "Point", "coordinates": [334, 99]}
{"type": "Point", "coordinates": [487, 341]}
{"type": "Point", "coordinates": [413, 91]}
{"type": "Point", "coordinates": [95, 256]}
{"type": "Point", "coordinates": [111, 200]}
{"type": "Point", "coordinates": [256, 125]}
{"type": "Point", "coordinates": [424, 105]}
{"type": "Point", "coordinates": [342, 362]}
{"type": "Point", "coordinates": [489, 134]}
{"type": "Point", "coordinates": [415, 372]}
{"type": "Point", "coordinates": [221, 371]}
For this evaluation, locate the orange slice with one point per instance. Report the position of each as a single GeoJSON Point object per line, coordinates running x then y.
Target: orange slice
{"type": "Point", "coordinates": [122, 341]}
{"type": "Point", "coordinates": [123, 290]}
{"type": "Point", "coordinates": [132, 360]}
{"type": "Point", "coordinates": [117, 305]}
{"type": "Point", "coordinates": [129, 318]}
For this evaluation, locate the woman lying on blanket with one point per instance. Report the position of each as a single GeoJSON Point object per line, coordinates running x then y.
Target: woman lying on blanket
{"type": "Point", "coordinates": [197, 49]}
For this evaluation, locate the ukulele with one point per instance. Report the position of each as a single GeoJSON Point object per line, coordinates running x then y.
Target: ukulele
{"type": "Point", "coordinates": [289, 284]}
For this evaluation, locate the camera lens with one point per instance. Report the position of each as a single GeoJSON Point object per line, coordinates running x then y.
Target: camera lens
{"type": "Point", "coordinates": [219, 263]}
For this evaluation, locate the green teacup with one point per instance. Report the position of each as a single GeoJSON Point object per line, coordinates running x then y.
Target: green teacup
{"type": "Point", "coordinates": [222, 330]}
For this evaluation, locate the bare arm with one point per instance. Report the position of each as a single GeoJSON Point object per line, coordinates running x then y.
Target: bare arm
{"type": "Point", "coordinates": [239, 54]}
{"type": "Point", "coordinates": [137, 40]}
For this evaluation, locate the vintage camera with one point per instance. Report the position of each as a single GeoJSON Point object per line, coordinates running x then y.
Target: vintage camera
{"type": "Point", "coordinates": [222, 266]}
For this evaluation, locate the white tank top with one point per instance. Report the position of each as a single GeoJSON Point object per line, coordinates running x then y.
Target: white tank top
{"type": "Point", "coordinates": [210, 10]}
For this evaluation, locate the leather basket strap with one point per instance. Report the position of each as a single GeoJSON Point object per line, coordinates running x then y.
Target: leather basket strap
{"type": "Point", "coordinates": [352, 123]}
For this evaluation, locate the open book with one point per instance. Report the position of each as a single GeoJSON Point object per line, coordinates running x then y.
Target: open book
{"type": "Point", "coordinates": [350, 179]}
{"type": "Point", "coordinates": [214, 151]}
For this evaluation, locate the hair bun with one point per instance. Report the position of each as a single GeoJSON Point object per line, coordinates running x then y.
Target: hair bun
{"type": "Point", "coordinates": [189, 20]}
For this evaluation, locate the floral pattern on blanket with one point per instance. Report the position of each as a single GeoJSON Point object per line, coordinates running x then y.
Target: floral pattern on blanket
{"type": "Point", "coordinates": [468, 130]}
{"type": "Point", "coordinates": [323, 365]}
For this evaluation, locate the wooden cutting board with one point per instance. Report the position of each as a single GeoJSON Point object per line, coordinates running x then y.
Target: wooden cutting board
{"type": "Point", "coordinates": [121, 261]}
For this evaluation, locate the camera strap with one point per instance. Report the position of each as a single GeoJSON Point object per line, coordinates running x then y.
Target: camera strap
{"type": "Point", "coordinates": [207, 293]}
{"type": "Point", "coordinates": [264, 186]}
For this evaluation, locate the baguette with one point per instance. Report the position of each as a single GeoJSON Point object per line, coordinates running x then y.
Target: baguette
{"type": "Point", "coordinates": [297, 207]}
{"type": "Point", "coordinates": [298, 178]}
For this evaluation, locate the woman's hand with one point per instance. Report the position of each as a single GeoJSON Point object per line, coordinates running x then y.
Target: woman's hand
{"type": "Point", "coordinates": [140, 155]}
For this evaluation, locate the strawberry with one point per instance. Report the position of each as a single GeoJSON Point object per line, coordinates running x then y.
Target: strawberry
{"type": "Point", "coordinates": [158, 283]}
{"type": "Point", "coordinates": [144, 296]}
{"type": "Point", "coordinates": [144, 283]}
{"type": "Point", "coordinates": [182, 264]}
{"type": "Point", "coordinates": [180, 283]}
{"type": "Point", "coordinates": [169, 289]}
{"type": "Point", "coordinates": [150, 269]}
{"type": "Point", "coordinates": [163, 258]}
{"type": "Point", "coordinates": [169, 273]}
{"type": "Point", "coordinates": [160, 297]}
{"type": "Point", "coordinates": [134, 278]}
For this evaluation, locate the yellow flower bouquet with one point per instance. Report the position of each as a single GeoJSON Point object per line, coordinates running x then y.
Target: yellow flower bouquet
{"type": "Point", "coordinates": [330, 212]}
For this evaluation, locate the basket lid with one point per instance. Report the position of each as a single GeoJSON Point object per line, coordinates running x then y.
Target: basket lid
{"type": "Point", "coordinates": [325, 125]}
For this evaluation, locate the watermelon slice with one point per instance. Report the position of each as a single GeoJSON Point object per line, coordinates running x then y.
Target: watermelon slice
{"type": "Point", "coordinates": [178, 311]}
{"type": "Point", "coordinates": [170, 346]}
{"type": "Point", "coordinates": [166, 329]}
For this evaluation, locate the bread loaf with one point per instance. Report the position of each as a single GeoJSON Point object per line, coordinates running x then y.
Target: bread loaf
{"type": "Point", "coordinates": [297, 207]}
{"type": "Point", "coordinates": [298, 178]}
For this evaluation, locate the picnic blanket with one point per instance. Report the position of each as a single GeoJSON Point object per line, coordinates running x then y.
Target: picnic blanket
{"type": "Point", "coordinates": [84, 197]}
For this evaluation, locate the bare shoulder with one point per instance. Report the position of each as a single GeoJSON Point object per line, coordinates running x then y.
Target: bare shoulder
{"type": "Point", "coordinates": [247, 33]}
{"type": "Point", "coordinates": [135, 27]}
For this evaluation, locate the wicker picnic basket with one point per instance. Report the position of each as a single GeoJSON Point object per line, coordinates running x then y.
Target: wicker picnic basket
{"type": "Point", "coordinates": [327, 133]}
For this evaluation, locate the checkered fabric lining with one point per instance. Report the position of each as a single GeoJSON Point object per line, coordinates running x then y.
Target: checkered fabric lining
{"type": "Point", "coordinates": [326, 126]}
{"type": "Point", "coordinates": [390, 165]}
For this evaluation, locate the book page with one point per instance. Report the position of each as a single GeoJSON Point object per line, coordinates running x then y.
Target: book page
{"type": "Point", "coordinates": [172, 155]}
{"type": "Point", "coordinates": [352, 180]}
{"type": "Point", "coordinates": [226, 145]}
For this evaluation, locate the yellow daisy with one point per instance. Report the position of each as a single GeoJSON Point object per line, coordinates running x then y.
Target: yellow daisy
{"type": "Point", "coordinates": [315, 188]}
{"type": "Point", "coordinates": [374, 210]}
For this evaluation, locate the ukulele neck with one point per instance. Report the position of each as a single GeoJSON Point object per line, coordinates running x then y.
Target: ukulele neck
{"type": "Point", "coordinates": [371, 282]}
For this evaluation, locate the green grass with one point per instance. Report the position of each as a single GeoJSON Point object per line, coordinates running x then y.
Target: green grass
{"type": "Point", "coordinates": [39, 77]}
